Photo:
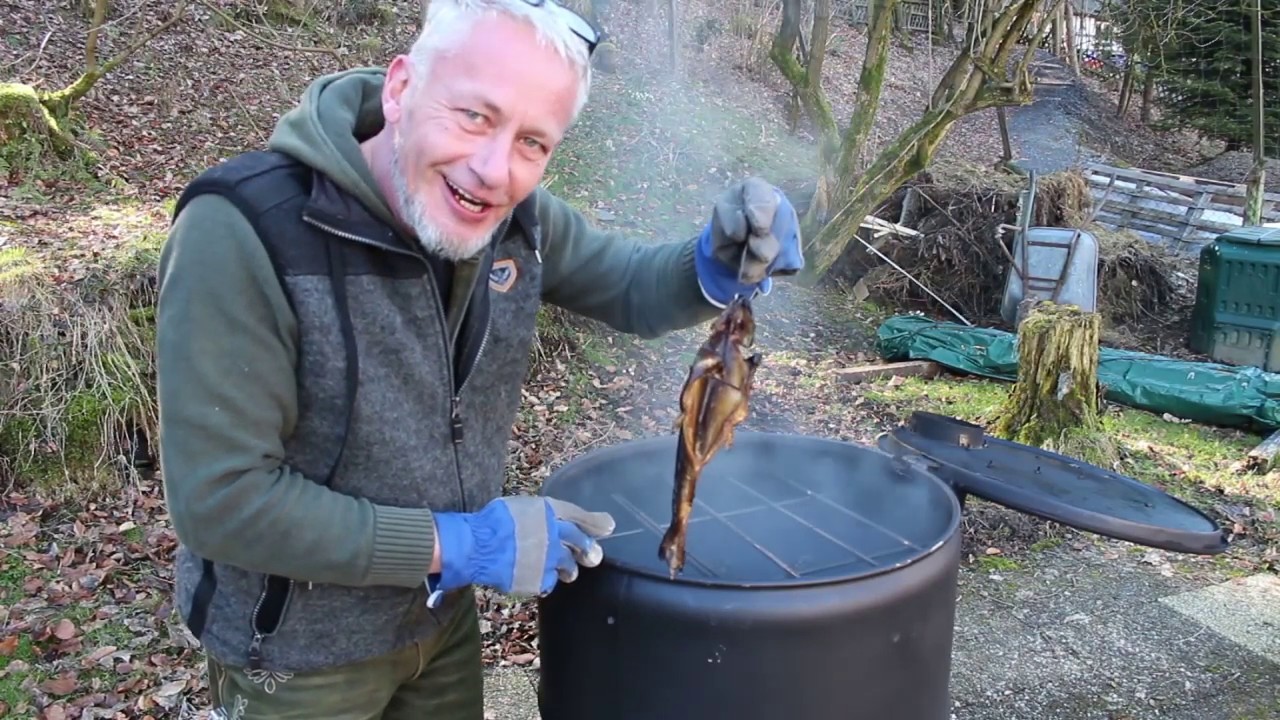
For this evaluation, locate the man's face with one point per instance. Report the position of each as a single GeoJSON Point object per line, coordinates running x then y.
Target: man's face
{"type": "Point", "coordinates": [472, 138]}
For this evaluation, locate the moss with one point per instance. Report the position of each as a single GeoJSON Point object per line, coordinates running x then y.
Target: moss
{"type": "Point", "coordinates": [37, 143]}
{"type": "Point", "coordinates": [22, 114]}
{"type": "Point", "coordinates": [995, 563]}
{"type": "Point", "coordinates": [1054, 403]}
{"type": "Point", "coordinates": [70, 458]}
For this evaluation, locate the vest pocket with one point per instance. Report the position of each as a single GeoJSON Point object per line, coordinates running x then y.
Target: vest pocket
{"type": "Point", "coordinates": [268, 613]}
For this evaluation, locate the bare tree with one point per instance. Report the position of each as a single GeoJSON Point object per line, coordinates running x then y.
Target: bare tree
{"type": "Point", "coordinates": [29, 113]}
{"type": "Point", "coordinates": [978, 79]}
{"type": "Point", "coordinates": [41, 115]}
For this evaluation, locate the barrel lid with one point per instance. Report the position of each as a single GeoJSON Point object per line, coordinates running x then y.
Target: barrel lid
{"type": "Point", "coordinates": [1053, 486]}
{"type": "Point", "coordinates": [770, 510]}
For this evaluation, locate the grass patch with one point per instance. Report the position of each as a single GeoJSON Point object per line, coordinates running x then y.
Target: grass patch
{"type": "Point", "coordinates": [996, 563]}
{"type": "Point", "coordinates": [12, 577]}
{"type": "Point", "coordinates": [77, 336]}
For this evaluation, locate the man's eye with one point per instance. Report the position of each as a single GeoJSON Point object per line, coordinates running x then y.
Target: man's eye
{"type": "Point", "coordinates": [473, 116]}
{"type": "Point", "coordinates": [534, 144]}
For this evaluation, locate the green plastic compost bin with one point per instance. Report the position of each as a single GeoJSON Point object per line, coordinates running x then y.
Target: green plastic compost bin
{"type": "Point", "coordinates": [1236, 317]}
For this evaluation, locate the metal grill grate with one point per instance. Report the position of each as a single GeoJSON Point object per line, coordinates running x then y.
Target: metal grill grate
{"type": "Point", "coordinates": [774, 509]}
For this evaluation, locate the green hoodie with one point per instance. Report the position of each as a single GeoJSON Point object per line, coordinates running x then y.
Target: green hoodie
{"type": "Point", "coordinates": [249, 393]}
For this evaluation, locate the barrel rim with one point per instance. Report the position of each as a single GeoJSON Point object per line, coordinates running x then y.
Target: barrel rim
{"type": "Point", "coordinates": [906, 463]}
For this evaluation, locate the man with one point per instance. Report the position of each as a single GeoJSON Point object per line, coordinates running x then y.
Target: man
{"type": "Point", "coordinates": [344, 324]}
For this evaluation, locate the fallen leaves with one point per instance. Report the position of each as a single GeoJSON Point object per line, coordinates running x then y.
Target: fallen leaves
{"type": "Point", "coordinates": [64, 630]}
{"type": "Point", "coordinates": [82, 623]}
{"type": "Point", "coordinates": [509, 630]}
{"type": "Point", "coordinates": [64, 684]}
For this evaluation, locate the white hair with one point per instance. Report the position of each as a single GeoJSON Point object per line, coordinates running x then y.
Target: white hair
{"type": "Point", "coordinates": [449, 21]}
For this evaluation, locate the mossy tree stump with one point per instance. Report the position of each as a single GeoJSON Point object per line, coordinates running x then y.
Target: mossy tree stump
{"type": "Point", "coordinates": [1054, 404]}
{"type": "Point", "coordinates": [25, 116]}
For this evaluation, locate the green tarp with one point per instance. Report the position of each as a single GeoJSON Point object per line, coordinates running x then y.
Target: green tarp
{"type": "Point", "coordinates": [1209, 393]}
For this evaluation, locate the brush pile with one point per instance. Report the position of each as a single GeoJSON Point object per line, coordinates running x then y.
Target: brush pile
{"type": "Point", "coordinates": [963, 255]}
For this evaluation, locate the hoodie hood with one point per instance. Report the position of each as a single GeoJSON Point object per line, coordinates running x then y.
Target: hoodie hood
{"type": "Point", "coordinates": [324, 130]}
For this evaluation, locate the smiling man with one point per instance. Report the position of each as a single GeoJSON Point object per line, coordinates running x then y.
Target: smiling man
{"type": "Point", "coordinates": [344, 325]}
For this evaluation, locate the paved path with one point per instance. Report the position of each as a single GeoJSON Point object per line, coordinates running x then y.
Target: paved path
{"type": "Point", "coordinates": [1109, 631]}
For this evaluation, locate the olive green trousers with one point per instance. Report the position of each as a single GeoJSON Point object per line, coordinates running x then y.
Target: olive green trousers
{"type": "Point", "coordinates": [438, 680]}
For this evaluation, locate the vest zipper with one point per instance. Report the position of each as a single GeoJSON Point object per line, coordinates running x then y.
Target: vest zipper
{"type": "Point", "coordinates": [255, 645]}
{"type": "Point", "coordinates": [357, 238]}
{"type": "Point", "coordinates": [455, 400]}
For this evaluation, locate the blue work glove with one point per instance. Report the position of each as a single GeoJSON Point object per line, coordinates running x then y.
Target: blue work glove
{"type": "Point", "coordinates": [518, 545]}
{"type": "Point", "coordinates": [752, 237]}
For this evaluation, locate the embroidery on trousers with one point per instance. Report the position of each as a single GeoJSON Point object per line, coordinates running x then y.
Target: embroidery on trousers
{"type": "Point", "coordinates": [239, 705]}
{"type": "Point", "coordinates": [267, 679]}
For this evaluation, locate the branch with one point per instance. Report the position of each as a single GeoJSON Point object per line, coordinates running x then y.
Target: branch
{"type": "Point", "coordinates": [61, 100]}
{"type": "Point", "coordinates": [870, 84]}
{"type": "Point", "coordinates": [123, 55]}
{"type": "Point", "coordinates": [272, 43]}
{"type": "Point", "coordinates": [91, 42]}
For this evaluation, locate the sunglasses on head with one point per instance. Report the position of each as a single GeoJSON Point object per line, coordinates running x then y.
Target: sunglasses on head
{"type": "Point", "coordinates": [580, 25]}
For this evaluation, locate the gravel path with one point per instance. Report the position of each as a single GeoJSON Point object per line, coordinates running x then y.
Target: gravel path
{"type": "Point", "coordinates": [1046, 135]}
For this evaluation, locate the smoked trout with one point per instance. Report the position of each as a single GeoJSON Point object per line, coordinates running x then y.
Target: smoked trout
{"type": "Point", "coordinates": [712, 402]}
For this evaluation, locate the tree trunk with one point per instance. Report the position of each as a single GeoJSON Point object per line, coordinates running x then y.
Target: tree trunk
{"type": "Point", "coordinates": [673, 36]}
{"type": "Point", "coordinates": [1148, 93]}
{"type": "Point", "coordinates": [818, 37]}
{"type": "Point", "coordinates": [806, 81]}
{"type": "Point", "coordinates": [974, 82]}
{"type": "Point", "coordinates": [1073, 58]}
{"type": "Point", "coordinates": [867, 99]}
{"type": "Point", "coordinates": [91, 42]}
{"type": "Point", "coordinates": [1059, 34]}
{"type": "Point", "coordinates": [1126, 91]}
{"type": "Point", "coordinates": [1255, 185]}
{"type": "Point", "coordinates": [1054, 403]}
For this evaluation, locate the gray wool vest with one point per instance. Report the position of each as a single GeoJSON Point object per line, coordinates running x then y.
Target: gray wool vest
{"type": "Point", "coordinates": [388, 410]}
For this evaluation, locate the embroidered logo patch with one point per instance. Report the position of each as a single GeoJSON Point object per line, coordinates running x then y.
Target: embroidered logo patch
{"type": "Point", "coordinates": [503, 275]}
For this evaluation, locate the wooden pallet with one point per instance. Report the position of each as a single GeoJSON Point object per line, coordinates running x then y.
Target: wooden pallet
{"type": "Point", "coordinates": [1191, 195]}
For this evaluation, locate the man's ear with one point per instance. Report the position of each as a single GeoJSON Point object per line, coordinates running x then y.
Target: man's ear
{"type": "Point", "coordinates": [395, 88]}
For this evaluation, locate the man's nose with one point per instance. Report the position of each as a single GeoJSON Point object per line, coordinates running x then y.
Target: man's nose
{"type": "Point", "coordinates": [492, 161]}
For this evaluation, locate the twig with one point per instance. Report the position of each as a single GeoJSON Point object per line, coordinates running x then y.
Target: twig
{"type": "Point", "coordinates": [123, 55]}
{"type": "Point", "coordinates": [34, 63]}
{"type": "Point", "coordinates": [257, 36]}
{"type": "Point", "coordinates": [248, 115]}
{"type": "Point", "coordinates": [912, 278]}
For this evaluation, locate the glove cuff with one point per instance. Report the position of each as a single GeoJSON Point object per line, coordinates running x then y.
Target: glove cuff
{"type": "Point", "coordinates": [717, 281]}
{"type": "Point", "coordinates": [456, 548]}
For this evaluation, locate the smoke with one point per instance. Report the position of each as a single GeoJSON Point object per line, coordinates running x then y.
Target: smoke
{"type": "Point", "coordinates": [654, 148]}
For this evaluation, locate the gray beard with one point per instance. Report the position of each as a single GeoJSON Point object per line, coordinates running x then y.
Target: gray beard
{"type": "Point", "coordinates": [432, 239]}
